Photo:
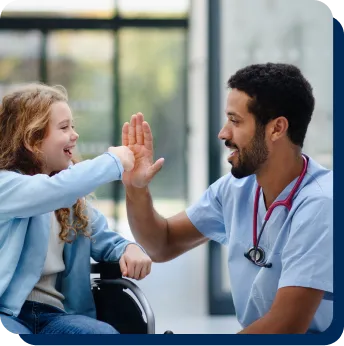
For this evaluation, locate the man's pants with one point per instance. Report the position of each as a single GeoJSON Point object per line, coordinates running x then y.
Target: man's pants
{"type": "Point", "coordinates": [38, 318]}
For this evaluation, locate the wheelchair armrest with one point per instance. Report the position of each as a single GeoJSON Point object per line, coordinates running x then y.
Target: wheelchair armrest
{"type": "Point", "coordinates": [107, 270]}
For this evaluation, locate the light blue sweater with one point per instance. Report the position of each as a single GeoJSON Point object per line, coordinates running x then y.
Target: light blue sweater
{"type": "Point", "coordinates": [25, 204]}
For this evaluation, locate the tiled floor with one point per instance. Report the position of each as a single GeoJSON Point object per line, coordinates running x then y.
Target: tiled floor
{"type": "Point", "coordinates": [198, 325]}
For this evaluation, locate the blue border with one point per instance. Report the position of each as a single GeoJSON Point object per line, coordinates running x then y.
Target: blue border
{"type": "Point", "coordinates": [329, 336]}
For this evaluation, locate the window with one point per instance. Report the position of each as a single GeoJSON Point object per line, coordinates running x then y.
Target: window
{"type": "Point", "coordinates": [153, 8]}
{"type": "Point", "coordinates": [60, 8]}
{"type": "Point", "coordinates": [19, 58]}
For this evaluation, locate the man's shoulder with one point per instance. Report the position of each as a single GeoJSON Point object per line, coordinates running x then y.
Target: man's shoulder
{"type": "Point", "coordinates": [319, 182]}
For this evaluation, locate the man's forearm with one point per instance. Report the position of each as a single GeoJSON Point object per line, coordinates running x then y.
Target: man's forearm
{"type": "Point", "coordinates": [272, 324]}
{"type": "Point", "coordinates": [148, 227]}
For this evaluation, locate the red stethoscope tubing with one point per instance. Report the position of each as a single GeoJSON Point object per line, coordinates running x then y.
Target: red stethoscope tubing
{"type": "Point", "coordinates": [286, 202]}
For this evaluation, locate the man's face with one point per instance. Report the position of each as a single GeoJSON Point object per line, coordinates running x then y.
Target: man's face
{"type": "Point", "coordinates": [245, 140]}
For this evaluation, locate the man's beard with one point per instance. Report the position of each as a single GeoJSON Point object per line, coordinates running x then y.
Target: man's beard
{"type": "Point", "coordinates": [251, 158]}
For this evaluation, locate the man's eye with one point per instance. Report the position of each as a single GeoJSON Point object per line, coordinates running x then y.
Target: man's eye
{"type": "Point", "coordinates": [233, 121]}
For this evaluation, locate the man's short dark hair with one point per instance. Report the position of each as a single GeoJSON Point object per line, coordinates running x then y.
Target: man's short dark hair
{"type": "Point", "coordinates": [277, 90]}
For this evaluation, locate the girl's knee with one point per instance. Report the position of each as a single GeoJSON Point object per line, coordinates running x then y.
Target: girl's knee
{"type": "Point", "coordinates": [105, 328]}
{"type": "Point", "coordinates": [14, 326]}
{"type": "Point", "coordinates": [88, 325]}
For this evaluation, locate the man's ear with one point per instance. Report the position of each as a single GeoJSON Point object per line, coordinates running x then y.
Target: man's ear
{"type": "Point", "coordinates": [277, 128]}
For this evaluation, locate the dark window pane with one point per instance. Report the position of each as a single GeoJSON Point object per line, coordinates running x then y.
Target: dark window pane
{"type": "Point", "coordinates": [153, 81]}
{"type": "Point", "coordinates": [82, 62]}
{"type": "Point", "coordinates": [19, 58]}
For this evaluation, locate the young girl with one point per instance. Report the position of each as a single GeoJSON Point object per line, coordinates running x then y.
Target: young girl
{"type": "Point", "coordinates": [48, 232]}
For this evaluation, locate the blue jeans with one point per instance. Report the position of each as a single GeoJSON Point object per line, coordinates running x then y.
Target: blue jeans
{"type": "Point", "coordinates": [38, 318]}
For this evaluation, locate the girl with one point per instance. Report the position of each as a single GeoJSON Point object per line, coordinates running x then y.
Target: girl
{"type": "Point", "coordinates": [48, 231]}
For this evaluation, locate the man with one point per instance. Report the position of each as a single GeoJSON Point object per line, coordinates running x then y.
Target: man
{"type": "Point", "coordinates": [281, 269]}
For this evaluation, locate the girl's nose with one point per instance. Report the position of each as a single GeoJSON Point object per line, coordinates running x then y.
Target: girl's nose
{"type": "Point", "coordinates": [75, 135]}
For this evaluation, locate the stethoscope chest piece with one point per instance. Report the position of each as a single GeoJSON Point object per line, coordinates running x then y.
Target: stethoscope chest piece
{"type": "Point", "coordinates": [256, 254]}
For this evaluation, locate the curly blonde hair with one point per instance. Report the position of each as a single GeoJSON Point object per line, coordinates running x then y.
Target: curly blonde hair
{"type": "Point", "coordinates": [24, 119]}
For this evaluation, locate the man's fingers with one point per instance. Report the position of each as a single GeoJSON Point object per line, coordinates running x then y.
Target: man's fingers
{"type": "Point", "coordinates": [139, 131]}
{"type": "Point", "coordinates": [123, 266]}
{"type": "Point", "coordinates": [132, 130]}
{"type": "Point", "coordinates": [155, 168]}
{"type": "Point", "coordinates": [125, 134]}
{"type": "Point", "coordinates": [147, 136]}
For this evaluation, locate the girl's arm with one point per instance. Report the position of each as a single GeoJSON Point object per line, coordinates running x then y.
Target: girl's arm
{"type": "Point", "coordinates": [107, 245]}
{"type": "Point", "coordinates": [24, 196]}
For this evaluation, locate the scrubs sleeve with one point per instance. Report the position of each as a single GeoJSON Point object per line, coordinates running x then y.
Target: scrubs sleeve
{"type": "Point", "coordinates": [307, 258]}
{"type": "Point", "coordinates": [207, 213]}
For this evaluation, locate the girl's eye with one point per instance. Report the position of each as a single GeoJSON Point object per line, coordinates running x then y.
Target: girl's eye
{"type": "Point", "coordinates": [66, 127]}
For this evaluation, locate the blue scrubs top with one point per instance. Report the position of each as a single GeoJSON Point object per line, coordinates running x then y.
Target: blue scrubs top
{"type": "Point", "coordinates": [298, 243]}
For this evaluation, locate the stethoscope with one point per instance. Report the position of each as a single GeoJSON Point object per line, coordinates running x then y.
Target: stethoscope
{"type": "Point", "coordinates": [256, 254]}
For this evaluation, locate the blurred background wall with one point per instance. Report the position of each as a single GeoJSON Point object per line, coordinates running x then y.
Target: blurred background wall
{"type": "Point", "coordinates": [171, 60]}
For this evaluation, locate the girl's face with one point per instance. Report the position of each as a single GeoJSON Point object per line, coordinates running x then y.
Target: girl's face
{"type": "Point", "coordinates": [57, 148]}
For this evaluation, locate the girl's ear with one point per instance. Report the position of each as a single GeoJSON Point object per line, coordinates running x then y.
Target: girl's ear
{"type": "Point", "coordinates": [32, 149]}
{"type": "Point", "coordinates": [28, 147]}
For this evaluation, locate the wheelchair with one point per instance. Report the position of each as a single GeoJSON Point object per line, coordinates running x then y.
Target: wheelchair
{"type": "Point", "coordinates": [120, 302]}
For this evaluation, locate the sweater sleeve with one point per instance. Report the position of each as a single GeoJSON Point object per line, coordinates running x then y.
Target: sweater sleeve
{"type": "Point", "coordinates": [24, 196]}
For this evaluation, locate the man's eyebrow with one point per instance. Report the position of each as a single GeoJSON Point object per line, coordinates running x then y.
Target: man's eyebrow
{"type": "Point", "coordinates": [229, 113]}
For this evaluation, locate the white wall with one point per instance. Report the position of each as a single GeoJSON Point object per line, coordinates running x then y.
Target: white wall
{"type": "Point", "coordinates": [297, 32]}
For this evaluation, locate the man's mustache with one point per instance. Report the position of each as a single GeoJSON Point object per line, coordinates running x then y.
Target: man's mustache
{"type": "Point", "coordinates": [229, 144]}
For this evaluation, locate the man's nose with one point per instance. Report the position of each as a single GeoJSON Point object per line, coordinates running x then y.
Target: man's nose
{"type": "Point", "coordinates": [224, 133]}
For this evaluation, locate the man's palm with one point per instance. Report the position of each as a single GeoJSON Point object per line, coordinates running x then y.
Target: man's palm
{"type": "Point", "coordinates": [138, 137]}
{"type": "Point", "coordinates": [138, 176]}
